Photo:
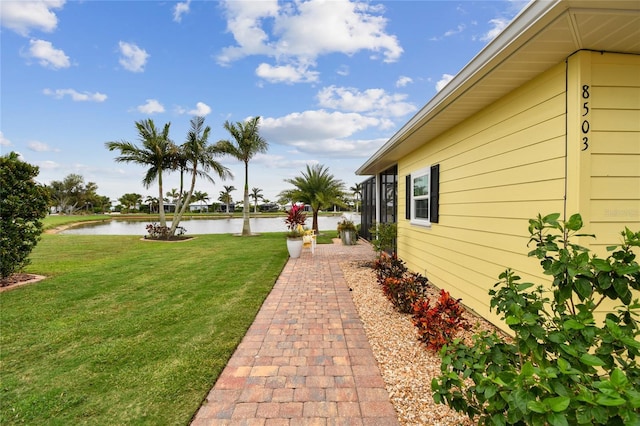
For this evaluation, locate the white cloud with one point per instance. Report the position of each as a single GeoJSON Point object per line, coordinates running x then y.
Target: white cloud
{"type": "Point", "coordinates": [343, 70]}
{"type": "Point", "coordinates": [286, 74]}
{"type": "Point", "coordinates": [318, 124]}
{"type": "Point", "coordinates": [288, 32]}
{"type": "Point", "coordinates": [374, 101]}
{"type": "Point", "coordinates": [446, 78]}
{"type": "Point", "coordinates": [48, 165]}
{"type": "Point", "coordinates": [497, 25]}
{"type": "Point", "coordinates": [23, 16]}
{"type": "Point", "coordinates": [180, 9]}
{"type": "Point", "coordinates": [403, 81]}
{"type": "Point", "coordinates": [151, 107]}
{"type": "Point", "coordinates": [40, 147]}
{"type": "Point", "coordinates": [47, 55]}
{"type": "Point", "coordinates": [322, 132]}
{"type": "Point", "coordinates": [201, 110]}
{"type": "Point", "coordinates": [460, 28]}
{"type": "Point", "coordinates": [4, 141]}
{"type": "Point", "coordinates": [75, 95]}
{"type": "Point", "coordinates": [133, 58]}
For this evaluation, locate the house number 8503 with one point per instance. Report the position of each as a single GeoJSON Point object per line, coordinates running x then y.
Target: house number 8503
{"type": "Point", "coordinates": [585, 117]}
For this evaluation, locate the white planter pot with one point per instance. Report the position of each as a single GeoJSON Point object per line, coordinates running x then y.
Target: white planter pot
{"type": "Point", "coordinates": [348, 238]}
{"type": "Point", "coordinates": [294, 245]}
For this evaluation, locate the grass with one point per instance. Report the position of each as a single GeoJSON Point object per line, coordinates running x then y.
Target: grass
{"type": "Point", "coordinates": [127, 331]}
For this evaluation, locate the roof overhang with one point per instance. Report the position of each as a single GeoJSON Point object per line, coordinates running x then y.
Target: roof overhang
{"type": "Point", "coordinates": [544, 34]}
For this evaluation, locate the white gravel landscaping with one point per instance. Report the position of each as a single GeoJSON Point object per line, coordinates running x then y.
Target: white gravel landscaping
{"type": "Point", "coordinates": [407, 366]}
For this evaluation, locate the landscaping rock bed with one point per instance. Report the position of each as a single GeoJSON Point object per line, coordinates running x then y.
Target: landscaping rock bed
{"type": "Point", "coordinates": [407, 366]}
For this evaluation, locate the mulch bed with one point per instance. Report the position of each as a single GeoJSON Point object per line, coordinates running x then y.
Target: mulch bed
{"type": "Point", "coordinates": [16, 280]}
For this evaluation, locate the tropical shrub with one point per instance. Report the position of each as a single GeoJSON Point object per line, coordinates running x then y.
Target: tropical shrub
{"type": "Point", "coordinates": [23, 205]}
{"type": "Point", "coordinates": [346, 226]}
{"type": "Point", "coordinates": [563, 367]}
{"type": "Point", "coordinates": [388, 266]}
{"type": "Point", "coordinates": [159, 232]}
{"type": "Point", "coordinates": [384, 237]}
{"type": "Point", "coordinates": [404, 291]}
{"type": "Point", "coordinates": [437, 325]}
{"type": "Point", "coordinates": [295, 220]}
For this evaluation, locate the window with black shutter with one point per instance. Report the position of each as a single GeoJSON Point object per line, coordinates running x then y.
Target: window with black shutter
{"type": "Point", "coordinates": [422, 196]}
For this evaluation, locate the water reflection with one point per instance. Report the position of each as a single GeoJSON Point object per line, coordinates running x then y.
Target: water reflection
{"type": "Point", "coordinates": [202, 226]}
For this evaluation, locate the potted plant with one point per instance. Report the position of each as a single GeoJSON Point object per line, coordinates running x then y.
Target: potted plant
{"type": "Point", "coordinates": [295, 220]}
{"type": "Point", "coordinates": [348, 232]}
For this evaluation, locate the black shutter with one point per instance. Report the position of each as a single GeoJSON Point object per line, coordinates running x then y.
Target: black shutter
{"type": "Point", "coordinates": [434, 201]}
{"type": "Point", "coordinates": [407, 205]}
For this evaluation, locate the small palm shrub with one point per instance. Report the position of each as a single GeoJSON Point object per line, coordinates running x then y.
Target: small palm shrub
{"type": "Point", "coordinates": [563, 367]}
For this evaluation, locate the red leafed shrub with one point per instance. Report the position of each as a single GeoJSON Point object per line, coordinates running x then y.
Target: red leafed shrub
{"type": "Point", "coordinates": [387, 266]}
{"type": "Point", "coordinates": [404, 291]}
{"type": "Point", "coordinates": [438, 325]}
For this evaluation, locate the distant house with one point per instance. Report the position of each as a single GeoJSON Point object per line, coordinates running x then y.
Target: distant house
{"type": "Point", "coordinates": [546, 118]}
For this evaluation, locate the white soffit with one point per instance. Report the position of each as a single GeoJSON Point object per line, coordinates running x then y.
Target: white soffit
{"type": "Point", "coordinates": [543, 35]}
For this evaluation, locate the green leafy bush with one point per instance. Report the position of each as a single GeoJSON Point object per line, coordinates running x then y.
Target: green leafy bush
{"type": "Point", "coordinates": [437, 325]}
{"type": "Point", "coordinates": [384, 237]}
{"type": "Point", "coordinates": [23, 205]}
{"type": "Point", "coordinates": [563, 367]}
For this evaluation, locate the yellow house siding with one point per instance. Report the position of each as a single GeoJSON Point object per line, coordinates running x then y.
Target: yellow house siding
{"type": "Point", "coordinates": [610, 176]}
{"type": "Point", "coordinates": [499, 168]}
{"type": "Point", "coordinates": [574, 132]}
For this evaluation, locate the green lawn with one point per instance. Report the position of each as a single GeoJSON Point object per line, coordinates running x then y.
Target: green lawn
{"type": "Point", "coordinates": [126, 331]}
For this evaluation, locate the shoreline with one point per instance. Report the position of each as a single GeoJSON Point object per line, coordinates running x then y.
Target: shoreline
{"type": "Point", "coordinates": [64, 227]}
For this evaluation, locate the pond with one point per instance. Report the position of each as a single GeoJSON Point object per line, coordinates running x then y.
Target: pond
{"type": "Point", "coordinates": [204, 226]}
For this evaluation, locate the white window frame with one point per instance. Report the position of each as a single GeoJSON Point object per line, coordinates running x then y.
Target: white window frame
{"type": "Point", "coordinates": [415, 175]}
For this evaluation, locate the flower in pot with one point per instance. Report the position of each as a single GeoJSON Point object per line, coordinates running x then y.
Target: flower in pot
{"type": "Point", "coordinates": [348, 232]}
{"type": "Point", "coordinates": [295, 220]}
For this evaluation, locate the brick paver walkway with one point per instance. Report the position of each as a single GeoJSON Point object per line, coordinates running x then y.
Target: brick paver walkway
{"type": "Point", "coordinates": [306, 359]}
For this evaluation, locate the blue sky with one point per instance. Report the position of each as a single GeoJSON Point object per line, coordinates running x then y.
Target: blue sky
{"type": "Point", "coordinates": [332, 80]}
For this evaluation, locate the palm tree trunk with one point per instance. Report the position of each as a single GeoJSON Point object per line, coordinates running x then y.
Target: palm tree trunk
{"type": "Point", "coordinates": [163, 219]}
{"type": "Point", "coordinates": [315, 221]}
{"type": "Point", "coordinates": [177, 216]}
{"type": "Point", "coordinates": [246, 226]}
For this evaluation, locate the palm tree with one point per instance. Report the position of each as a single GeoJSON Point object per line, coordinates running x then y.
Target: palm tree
{"type": "Point", "coordinates": [246, 143]}
{"type": "Point", "coordinates": [199, 196]}
{"type": "Point", "coordinates": [197, 157]}
{"type": "Point", "coordinates": [357, 193]}
{"type": "Point", "coordinates": [225, 196]}
{"type": "Point", "coordinates": [256, 194]}
{"type": "Point", "coordinates": [152, 202]}
{"type": "Point", "coordinates": [156, 153]}
{"type": "Point", "coordinates": [317, 188]}
{"type": "Point", "coordinates": [130, 201]}
{"type": "Point", "coordinates": [174, 194]}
